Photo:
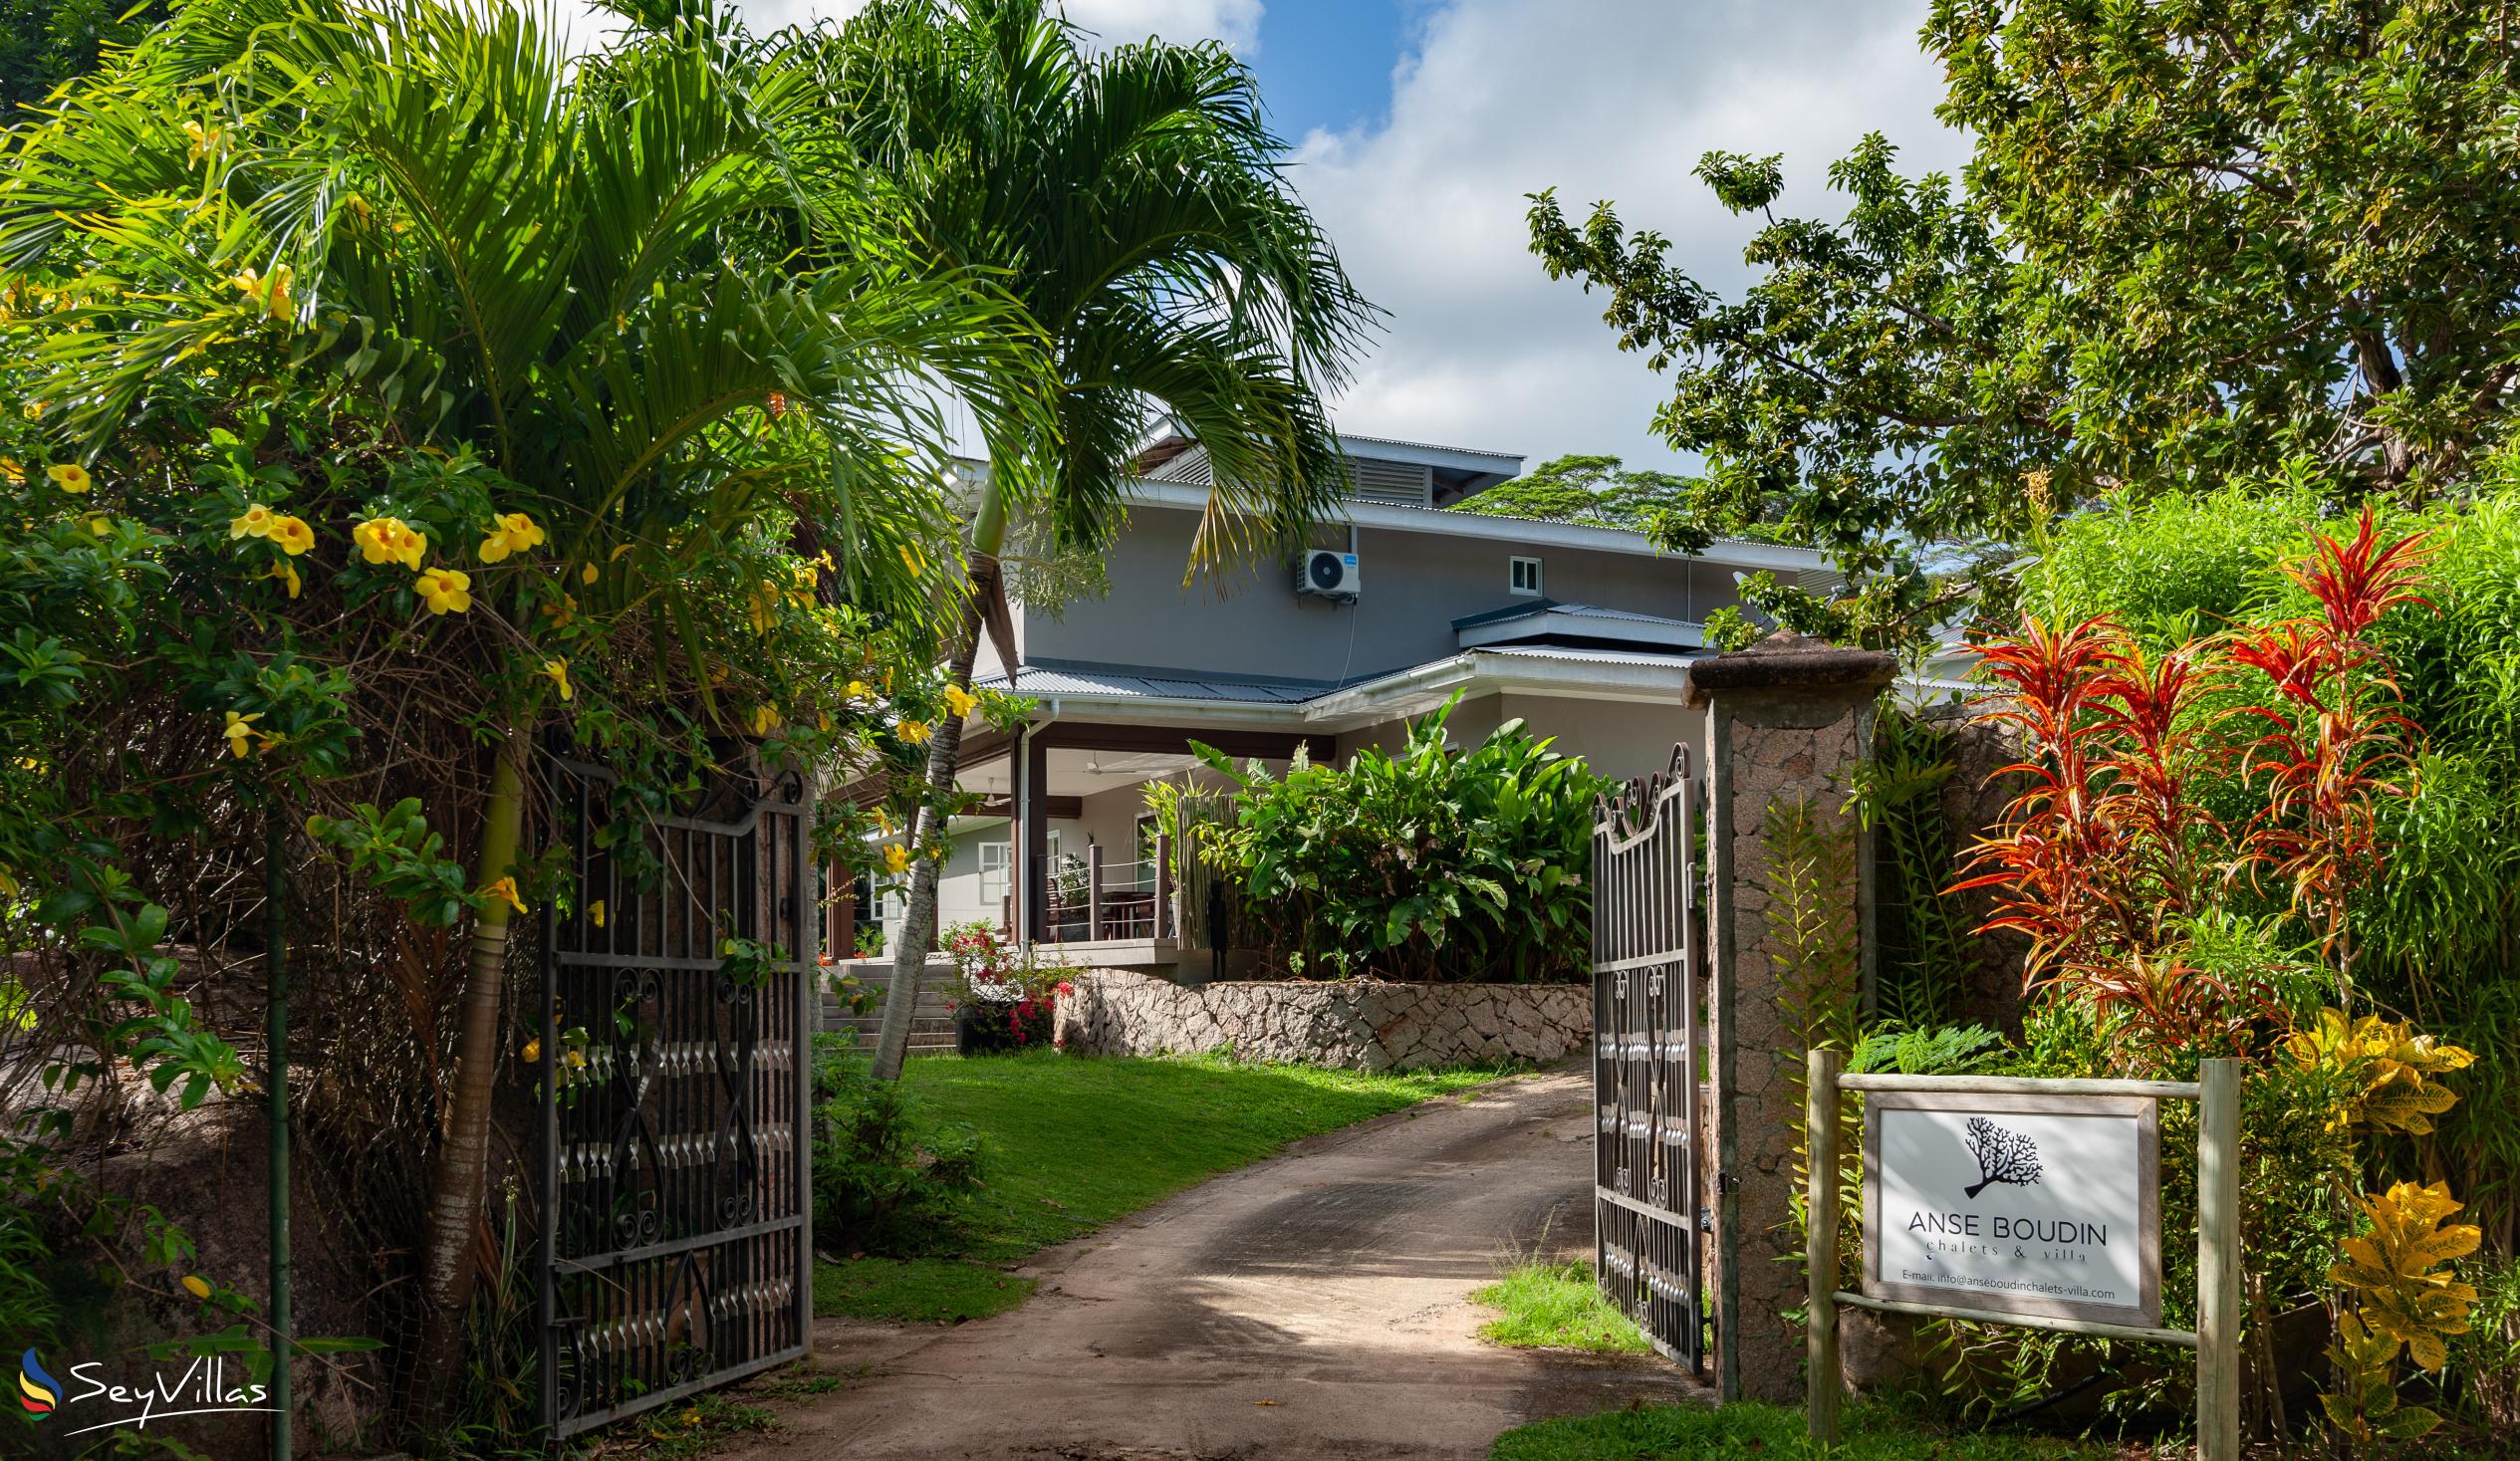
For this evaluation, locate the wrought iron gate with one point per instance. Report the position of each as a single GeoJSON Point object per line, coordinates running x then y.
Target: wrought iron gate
{"type": "Point", "coordinates": [676, 1113]}
{"type": "Point", "coordinates": [1647, 960]}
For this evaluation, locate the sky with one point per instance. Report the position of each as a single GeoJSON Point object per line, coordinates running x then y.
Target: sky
{"type": "Point", "coordinates": [1419, 125]}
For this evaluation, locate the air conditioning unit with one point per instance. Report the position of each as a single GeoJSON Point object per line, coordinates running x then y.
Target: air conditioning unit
{"type": "Point", "coordinates": [1326, 573]}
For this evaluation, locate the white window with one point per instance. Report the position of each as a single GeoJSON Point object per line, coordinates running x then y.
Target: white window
{"type": "Point", "coordinates": [995, 858]}
{"type": "Point", "coordinates": [1522, 575]}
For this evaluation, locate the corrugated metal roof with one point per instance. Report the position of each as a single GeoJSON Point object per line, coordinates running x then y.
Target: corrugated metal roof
{"type": "Point", "coordinates": [1037, 682]}
{"type": "Point", "coordinates": [1591, 656]}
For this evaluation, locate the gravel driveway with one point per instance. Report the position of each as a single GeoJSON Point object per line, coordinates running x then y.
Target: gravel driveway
{"type": "Point", "coordinates": [1314, 1306]}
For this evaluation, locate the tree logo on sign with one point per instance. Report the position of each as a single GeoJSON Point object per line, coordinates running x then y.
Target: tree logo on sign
{"type": "Point", "coordinates": [2003, 1157]}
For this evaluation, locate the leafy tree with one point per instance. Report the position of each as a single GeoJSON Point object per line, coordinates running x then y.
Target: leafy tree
{"type": "Point", "coordinates": [2195, 244]}
{"type": "Point", "coordinates": [1587, 489]}
{"type": "Point", "coordinates": [1134, 201]}
{"type": "Point", "coordinates": [459, 286]}
{"type": "Point", "coordinates": [44, 43]}
{"type": "Point", "coordinates": [2260, 231]}
{"type": "Point", "coordinates": [1860, 397]}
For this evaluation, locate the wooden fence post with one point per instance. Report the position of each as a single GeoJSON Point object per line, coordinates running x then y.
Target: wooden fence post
{"type": "Point", "coordinates": [2218, 1263]}
{"type": "Point", "coordinates": [1820, 1252]}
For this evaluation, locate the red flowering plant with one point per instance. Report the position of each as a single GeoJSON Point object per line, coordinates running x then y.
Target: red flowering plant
{"type": "Point", "coordinates": [2125, 882]}
{"type": "Point", "coordinates": [1003, 997]}
{"type": "Point", "coordinates": [2106, 858]}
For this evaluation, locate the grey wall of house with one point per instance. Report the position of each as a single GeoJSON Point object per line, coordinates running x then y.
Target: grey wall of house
{"type": "Point", "coordinates": [1415, 585]}
{"type": "Point", "coordinates": [1616, 738]}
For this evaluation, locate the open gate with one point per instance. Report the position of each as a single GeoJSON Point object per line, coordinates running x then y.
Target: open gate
{"type": "Point", "coordinates": [676, 1123]}
{"type": "Point", "coordinates": [1647, 960]}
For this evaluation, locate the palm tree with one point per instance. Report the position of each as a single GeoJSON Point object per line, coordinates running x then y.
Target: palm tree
{"type": "Point", "coordinates": [582, 271]}
{"type": "Point", "coordinates": [1135, 201]}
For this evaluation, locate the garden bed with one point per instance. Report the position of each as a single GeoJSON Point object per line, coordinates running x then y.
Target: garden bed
{"type": "Point", "coordinates": [1355, 1025]}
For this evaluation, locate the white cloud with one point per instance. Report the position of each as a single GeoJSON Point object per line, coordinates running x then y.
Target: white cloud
{"type": "Point", "coordinates": [1609, 98]}
{"type": "Point", "coordinates": [1110, 22]}
{"type": "Point", "coordinates": [1116, 21]}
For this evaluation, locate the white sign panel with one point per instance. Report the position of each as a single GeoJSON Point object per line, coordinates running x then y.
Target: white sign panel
{"type": "Point", "coordinates": [2014, 1204]}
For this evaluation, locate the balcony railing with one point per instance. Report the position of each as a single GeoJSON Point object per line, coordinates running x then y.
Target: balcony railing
{"type": "Point", "coordinates": [1108, 900]}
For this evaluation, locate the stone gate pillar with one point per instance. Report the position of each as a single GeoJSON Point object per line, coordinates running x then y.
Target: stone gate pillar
{"type": "Point", "coordinates": [1787, 718]}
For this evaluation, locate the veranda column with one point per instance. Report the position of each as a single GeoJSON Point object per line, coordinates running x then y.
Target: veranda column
{"type": "Point", "coordinates": [1786, 719]}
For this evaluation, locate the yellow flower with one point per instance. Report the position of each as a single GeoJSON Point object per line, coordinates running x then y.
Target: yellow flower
{"type": "Point", "coordinates": [286, 572]}
{"type": "Point", "coordinates": [193, 1285]}
{"type": "Point", "coordinates": [915, 732]}
{"type": "Point", "coordinates": [960, 701]}
{"type": "Point", "coordinates": [207, 141]}
{"type": "Point", "coordinates": [575, 1059]}
{"type": "Point", "coordinates": [854, 689]}
{"type": "Point", "coordinates": [292, 534]}
{"type": "Point", "coordinates": [391, 540]}
{"type": "Point", "coordinates": [557, 671]}
{"type": "Point", "coordinates": [882, 820]}
{"type": "Point", "coordinates": [97, 523]}
{"type": "Point", "coordinates": [272, 294]}
{"type": "Point", "coordinates": [10, 471]}
{"type": "Point", "coordinates": [516, 534]}
{"type": "Point", "coordinates": [240, 733]}
{"type": "Point", "coordinates": [759, 612]}
{"type": "Point", "coordinates": [70, 477]}
{"type": "Point", "coordinates": [532, 1052]}
{"type": "Point", "coordinates": [254, 522]}
{"type": "Point", "coordinates": [505, 888]}
{"type": "Point", "coordinates": [590, 574]}
{"type": "Point", "coordinates": [897, 859]}
{"type": "Point", "coordinates": [444, 590]}
{"type": "Point", "coordinates": [595, 912]}
{"type": "Point", "coordinates": [765, 720]}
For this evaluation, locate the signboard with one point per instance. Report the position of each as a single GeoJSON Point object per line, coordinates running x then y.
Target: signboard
{"type": "Point", "coordinates": [2015, 1204]}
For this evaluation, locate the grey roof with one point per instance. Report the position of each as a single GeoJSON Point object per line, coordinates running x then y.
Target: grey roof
{"type": "Point", "coordinates": [1591, 656]}
{"type": "Point", "coordinates": [1537, 606]}
{"type": "Point", "coordinates": [1062, 681]}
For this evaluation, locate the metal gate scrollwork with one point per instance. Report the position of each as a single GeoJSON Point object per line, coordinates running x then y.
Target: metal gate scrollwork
{"type": "Point", "coordinates": [674, 1122]}
{"type": "Point", "coordinates": [1646, 963]}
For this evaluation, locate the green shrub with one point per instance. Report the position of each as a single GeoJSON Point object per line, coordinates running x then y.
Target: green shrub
{"type": "Point", "coordinates": [887, 1176]}
{"type": "Point", "coordinates": [1432, 863]}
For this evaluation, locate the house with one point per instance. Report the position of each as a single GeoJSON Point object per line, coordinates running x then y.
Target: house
{"type": "Point", "coordinates": [1584, 632]}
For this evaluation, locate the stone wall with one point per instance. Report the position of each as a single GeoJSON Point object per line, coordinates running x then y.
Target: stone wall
{"type": "Point", "coordinates": [1359, 1025]}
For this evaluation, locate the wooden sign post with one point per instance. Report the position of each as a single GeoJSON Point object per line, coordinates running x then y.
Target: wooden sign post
{"type": "Point", "coordinates": [2028, 1202]}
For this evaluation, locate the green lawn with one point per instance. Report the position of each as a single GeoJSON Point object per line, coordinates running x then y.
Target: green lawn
{"type": "Point", "coordinates": [1773, 1433]}
{"type": "Point", "coordinates": [1557, 1305]}
{"type": "Point", "coordinates": [1073, 1142]}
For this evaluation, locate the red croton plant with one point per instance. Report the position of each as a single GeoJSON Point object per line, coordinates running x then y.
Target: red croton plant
{"type": "Point", "coordinates": [2104, 861]}
{"type": "Point", "coordinates": [2104, 857]}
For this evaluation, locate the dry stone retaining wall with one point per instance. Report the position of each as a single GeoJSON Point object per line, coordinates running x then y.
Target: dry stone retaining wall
{"type": "Point", "coordinates": [1355, 1025]}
